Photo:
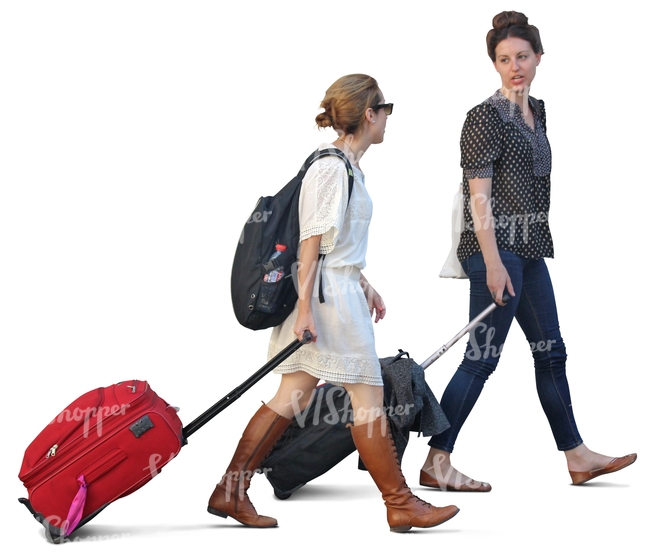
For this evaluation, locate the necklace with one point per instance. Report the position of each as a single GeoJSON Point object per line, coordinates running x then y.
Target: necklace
{"type": "Point", "coordinates": [348, 145]}
{"type": "Point", "coordinates": [351, 151]}
{"type": "Point", "coordinates": [354, 160]}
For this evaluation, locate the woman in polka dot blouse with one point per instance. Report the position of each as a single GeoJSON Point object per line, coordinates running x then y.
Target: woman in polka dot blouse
{"type": "Point", "coordinates": [506, 161]}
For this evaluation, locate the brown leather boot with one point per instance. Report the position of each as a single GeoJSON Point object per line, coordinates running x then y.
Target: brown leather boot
{"type": "Point", "coordinates": [375, 445]}
{"type": "Point", "coordinates": [229, 497]}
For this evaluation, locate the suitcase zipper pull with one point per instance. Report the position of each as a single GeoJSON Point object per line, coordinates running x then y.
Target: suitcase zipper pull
{"type": "Point", "coordinates": [52, 451]}
{"type": "Point", "coordinates": [132, 387]}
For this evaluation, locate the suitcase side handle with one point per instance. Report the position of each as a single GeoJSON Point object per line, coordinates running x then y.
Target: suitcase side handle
{"type": "Point", "coordinates": [245, 386]}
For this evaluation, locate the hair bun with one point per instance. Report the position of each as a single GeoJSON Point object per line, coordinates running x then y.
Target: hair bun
{"type": "Point", "coordinates": [512, 24]}
{"type": "Point", "coordinates": [346, 102]}
{"type": "Point", "coordinates": [324, 119]}
{"type": "Point", "coordinates": [506, 19]}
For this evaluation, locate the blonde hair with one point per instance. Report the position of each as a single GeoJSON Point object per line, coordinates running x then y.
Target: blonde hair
{"type": "Point", "coordinates": [346, 101]}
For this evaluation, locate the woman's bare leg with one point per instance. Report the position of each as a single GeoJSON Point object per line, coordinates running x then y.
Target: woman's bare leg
{"type": "Point", "coordinates": [295, 391]}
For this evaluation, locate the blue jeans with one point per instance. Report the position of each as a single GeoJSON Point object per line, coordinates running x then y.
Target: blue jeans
{"type": "Point", "coordinates": [534, 308]}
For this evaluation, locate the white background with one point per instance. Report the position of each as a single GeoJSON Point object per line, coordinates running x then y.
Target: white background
{"type": "Point", "coordinates": [135, 139]}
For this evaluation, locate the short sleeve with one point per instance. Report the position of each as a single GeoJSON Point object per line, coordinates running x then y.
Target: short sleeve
{"type": "Point", "coordinates": [323, 201]}
{"type": "Point", "coordinates": [481, 141]}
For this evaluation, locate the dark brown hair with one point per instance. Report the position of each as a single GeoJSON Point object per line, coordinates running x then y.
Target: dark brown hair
{"type": "Point", "coordinates": [512, 24]}
{"type": "Point", "coordinates": [346, 101]}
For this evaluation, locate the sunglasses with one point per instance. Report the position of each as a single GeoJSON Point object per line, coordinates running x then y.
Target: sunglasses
{"type": "Point", "coordinates": [387, 106]}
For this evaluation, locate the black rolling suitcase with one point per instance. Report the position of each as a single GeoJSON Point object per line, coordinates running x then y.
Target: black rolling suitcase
{"type": "Point", "coordinates": [100, 449]}
{"type": "Point", "coordinates": [319, 438]}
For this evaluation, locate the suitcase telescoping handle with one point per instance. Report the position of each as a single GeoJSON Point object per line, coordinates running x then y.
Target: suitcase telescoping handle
{"type": "Point", "coordinates": [482, 315]}
{"type": "Point", "coordinates": [245, 386]}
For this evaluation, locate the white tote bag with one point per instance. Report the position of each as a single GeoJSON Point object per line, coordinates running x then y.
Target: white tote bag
{"type": "Point", "coordinates": [452, 268]}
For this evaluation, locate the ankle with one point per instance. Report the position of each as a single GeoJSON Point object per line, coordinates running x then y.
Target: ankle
{"type": "Point", "coordinates": [577, 453]}
{"type": "Point", "coordinates": [437, 459]}
{"type": "Point", "coordinates": [582, 458]}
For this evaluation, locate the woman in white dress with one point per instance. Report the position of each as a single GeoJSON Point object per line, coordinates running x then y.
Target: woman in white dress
{"type": "Point", "coordinates": [342, 350]}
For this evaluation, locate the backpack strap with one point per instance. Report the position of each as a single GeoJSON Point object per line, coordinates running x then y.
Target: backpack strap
{"type": "Point", "coordinates": [317, 155]}
{"type": "Point", "coordinates": [334, 152]}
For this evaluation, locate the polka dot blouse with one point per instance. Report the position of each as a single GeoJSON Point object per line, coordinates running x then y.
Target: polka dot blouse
{"type": "Point", "coordinates": [496, 142]}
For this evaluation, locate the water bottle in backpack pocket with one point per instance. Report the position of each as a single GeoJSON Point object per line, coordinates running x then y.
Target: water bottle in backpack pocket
{"type": "Point", "coordinates": [271, 282]}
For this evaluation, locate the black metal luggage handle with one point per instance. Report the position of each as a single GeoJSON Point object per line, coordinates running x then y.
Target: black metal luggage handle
{"type": "Point", "coordinates": [505, 298]}
{"type": "Point", "coordinates": [245, 386]}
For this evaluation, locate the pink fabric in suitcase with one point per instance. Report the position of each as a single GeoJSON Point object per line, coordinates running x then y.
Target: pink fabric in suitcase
{"type": "Point", "coordinates": [103, 446]}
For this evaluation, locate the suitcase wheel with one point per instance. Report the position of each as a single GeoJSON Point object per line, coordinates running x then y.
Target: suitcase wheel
{"type": "Point", "coordinates": [281, 495]}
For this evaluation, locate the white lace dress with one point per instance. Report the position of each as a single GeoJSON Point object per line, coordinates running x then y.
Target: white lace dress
{"type": "Point", "coordinates": [345, 349]}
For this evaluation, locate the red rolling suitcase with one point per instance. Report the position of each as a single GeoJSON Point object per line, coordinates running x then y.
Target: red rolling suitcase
{"type": "Point", "coordinates": [105, 445]}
